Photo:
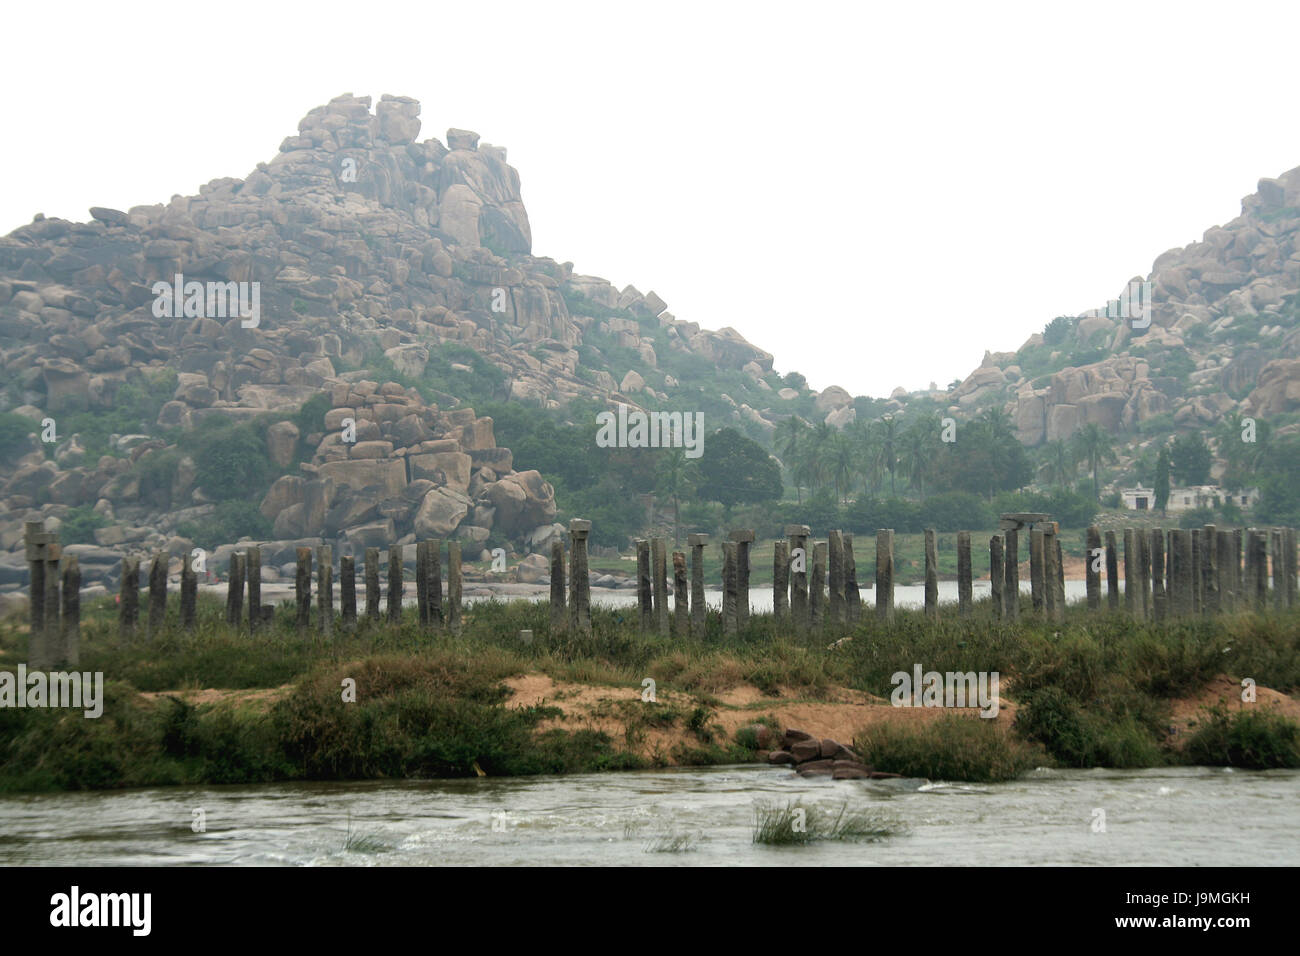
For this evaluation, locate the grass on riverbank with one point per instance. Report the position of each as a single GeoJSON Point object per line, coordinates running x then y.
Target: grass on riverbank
{"type": "Point", "coordinates": [1095, 691]}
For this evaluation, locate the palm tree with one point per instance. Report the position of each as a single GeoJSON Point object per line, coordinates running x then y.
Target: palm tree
{"type": "Point", "coordinates": [1092, 445]}
{"type": "Point", "coordinates": [886, 449]}
{"type": "Point", "coordinates": [676, 477]}
{"type": "Point", "coordinates": [842, 464]}
{"type": "Point", "coordinates": [863, 436]}
{"type": "Point", "coordinates": [791, 436]}
{"type": "Point", "coordinates": [918, 452]}
{"type": "Point", "coordinates": [1060, 465]}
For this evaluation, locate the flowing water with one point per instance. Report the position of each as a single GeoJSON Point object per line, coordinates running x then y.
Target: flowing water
{"type": "Point", "coordinates": [1172, 816]}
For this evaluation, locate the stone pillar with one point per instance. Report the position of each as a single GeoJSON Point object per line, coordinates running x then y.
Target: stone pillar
{"type": "Point", "coordinates": [395, 587]}
{"type": "Point", "coordinates": [1210, 570]}
{"type": "Point", "coordinates": [189, 592]}
{"type": "Point", "coordinates": [835, 567]}
{"type": "Point", "coordinates": [997, 577]}
{"type": "Point", "coordinates": [302, 588]}
{"type": "Point", "coordinates": [797, 538]}
{"type": "Point", "coordinates": [1159, 597]}
{"type": "Point", "coordinates": [129, 598]}
{"type": "Point", "coordinates": [34, 542]}
{"type": "Point", "coordinates": [697, 543]}
{"type": "Point", "coordinates": [681, 606]}
{"type": "Point", "coordinates": [559, 612]}
{"type": "Point", "coordinates": [1130, 572]}
{"type": "Point", "coordinates": [1143, 542]}
{"type": "Point", "coordinates": [1239, 578]}
{"type": "Point", "coordinates": [743, 539]}
{"type": "Point", "coordinates": [1036, 570]}
{"type": "Point", "coordinates": [325, 586]}
{"type": "Point", "coordinates": [964, 593]}
{"type": "Point", "coordinates": [1092, 569]}
{"type": "Point", "coordinates": [1248, 571]}
{"type": "Point", "coordinates": [1195, 536]}
{"type": "Point", "coordinates": [817, 588]}
{"type": "Point", "coordinates": [372, 583]}
{"type": "Point", "coordinates": [644, 587]}
{"type": "Point", "coordinates": [579, 582]}
{"type": "Point", "coordinates": [253, 557]}
{"type": "Point", "coordinates": [157, 593]}
{"type": "Point", "coordinates": [1047, 565]}
{"type": "Point", "coordinates": [1011, 571]}
{"type": "Point", "coordinates": [348, 591]}
{"type": "Point", "coordinates": [235, 592]}
{"type": "Point", "coordinates": [456, 584]}
{"type": "Point", "coordinates": [1279, 585]}
{"type": "Point", "coordinates": [1261, 571]}
{"type": "Point", "coordinates": [780, 581]}
{"type": "Point", "coordinates": [1181, 594]}
{"type": "Point", "coordinates": [931, 575]}
{"type": "Point", "coordinates": [1227, 579]}
{"type": "Point", "coordinates": [69, 651]}
{"type": "Point", "coordinates": [1112, 572]}
{"type": "Point", "coordinates": [1056, 585]}
{"type": "Point", "coordinates": [852, 596]}
{"type": "Point", "coordinates": [1289, 566]}
{"type": "Point", "coordinates": [659, 562]}
{"type": "Point", "coordinates": [53, 602]}
{"type": "Point", "coordinates": [729, 587]}
{"type": "Point", "coordinates": [433, 588]}
{"type": "Point", "coordinates": [422, 582]}
{"type": "Point", "coordinates": [885, 574]}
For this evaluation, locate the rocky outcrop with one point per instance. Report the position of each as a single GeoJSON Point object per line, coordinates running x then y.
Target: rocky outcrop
{"type": "Point", "coordinates": [813, 757]}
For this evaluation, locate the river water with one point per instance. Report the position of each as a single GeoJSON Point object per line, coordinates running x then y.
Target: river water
{"type": "Point", "coordinates": [1171, 817]}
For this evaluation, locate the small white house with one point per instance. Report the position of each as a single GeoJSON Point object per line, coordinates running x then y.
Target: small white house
{"type": "Point", "coordinates": [1139, 498]}
{"type": "Point", "coordinates": [1189, 499]}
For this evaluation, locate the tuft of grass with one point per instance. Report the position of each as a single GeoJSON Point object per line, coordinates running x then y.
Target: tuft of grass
{"type": "Point", "coordinates": [793, 824]}
{"type": "Point", "coordinates": [951, 747]}
{"type": "Point", "coordinates": [1255, 739]}
{"type": "Point", "coordinates": [363, 842]}
{"type": "Point", "coordinates": [670, 843]}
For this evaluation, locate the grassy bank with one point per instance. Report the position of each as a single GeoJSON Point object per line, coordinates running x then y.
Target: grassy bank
{"type": "Point", "coordinates": [1100, 690]}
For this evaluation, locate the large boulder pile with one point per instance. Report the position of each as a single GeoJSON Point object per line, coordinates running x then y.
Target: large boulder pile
{"type": "Point", "coordinates": [813, 757]}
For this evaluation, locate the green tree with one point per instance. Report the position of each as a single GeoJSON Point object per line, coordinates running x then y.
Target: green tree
{"type": "Point", "coordinates": [676, 477]}
{"type": "Point", "coordinates": [1162, 480]}
{"type": "Point", "coordinates": [790, 438]}
{"type": "Point", "coordinates": [1093, 446]}
{"type": "Point", "coordinates": [1190, 459]}
{"type": "Point", "coordinates": [735, 470]}
{"type": "Point", "coordinates": [1059, 464]}
{"type": "Point", "coordinates": [919, 451]}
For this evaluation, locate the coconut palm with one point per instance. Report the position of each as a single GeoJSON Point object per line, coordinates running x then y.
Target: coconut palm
{"type": "Point", "coordinates": [1059, 464]}
{"type": "Point", "coordinates": [918, 449]}
{"type": "Point", "coordinates": [1092, 445]}
{"type": "Point", "coordinates": [791, 435]}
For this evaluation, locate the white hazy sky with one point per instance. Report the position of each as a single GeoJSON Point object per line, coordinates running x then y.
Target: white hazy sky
{"type": "Point", "coordinates": [875, 193]}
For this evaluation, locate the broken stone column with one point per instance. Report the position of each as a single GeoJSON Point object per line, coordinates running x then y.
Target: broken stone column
{"type": "Point", "coordinates": [1011, 571]}
{"type": "Point", "coordinates": [71, 654]}
{"type": "Point", "coordinates": [1279, 586]}
{"type": "Point", "coordinates": [1195, 536]}
{"type": "Point", "coordinates": [129, 596]}
{"type": "Point", "coordinates": [189, 592]}
{"type": "Point", "coordinates": [797, 538]}
{"type": "Point", "coordinates": [1092, 566]}
{"type": "Point", "coordinates": [1112, 572]}
{"type": "Point", "coordinates": [885, 574]}
{"type": "Point", "coordinates": [1143, 542]}
{"type": "Point", "coordinates": [729, 550]}
{"type": "Point", "coordinates": [644, 587]}
{"type": "Point", "coordinates": [1227, 578]}
{"type": "Point", "coordinates": [372, 583]}
{"type": "Point", "coordinates": [697, 543]}
{"type": "Point", "coordinates": [395, 587]}
{"type": "Point", "coordinates": [964, 593]}
{"type": "Point", "coordinates": [422, 582]}
{"type": "Point", "coordinates": [1210, 570]}
{"type": "Point", "coordinates": [1159, 598]}
{"type": "Point", "coordinates": [325, 584]}
{"type": "Point", "coordinates": [253, 559]}
{"type": "Point", "coordinates": [235, 592]}
{"type": "Point", "coordinates": [997, 576]}
{"type": "Point", "coordinates": [659, 564]}
{"type": "Point", "coordinates": [931, 575]}
{"type": "Point", "coordinates": [743, 539]}
{"type": "Point", "coordinates": [348, 591]}
{"type": "Point", "coordinates": [559, 611]}
{"type": "Point", "coordinates": [1039, 600]}
{"type": "Point", "coordinates": [780, 581]}
{"type": "Point", "coordinates": [835, 568]}
{"type": "Point", "coordinates": [433, 587]}
{"type": "Point", "coordinates": [456, 584]}
{"type": "Point", "coordinates": [579, 582]}
{"type": "Point", "coordinates": [302, 588]}
{"type": "Point", "coordinates": [852, 596]}
{"type": "Point", "coordinates": [1131, 594]}
{"type": "Point", "coordinates": [157, 593]}
{"type": "Point", "coordinates": [681, 607]}
{"type": "Point", "coordinates": [817, 588]}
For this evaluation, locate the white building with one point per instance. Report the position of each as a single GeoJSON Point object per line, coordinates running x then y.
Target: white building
{"type": "Point", "coordinates": [1189, 499]}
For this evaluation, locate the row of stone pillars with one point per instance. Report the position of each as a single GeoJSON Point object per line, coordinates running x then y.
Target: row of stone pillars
{"type": "Point", "coordinates": [1186, 572]}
